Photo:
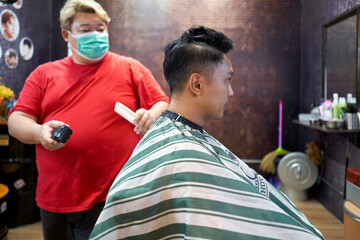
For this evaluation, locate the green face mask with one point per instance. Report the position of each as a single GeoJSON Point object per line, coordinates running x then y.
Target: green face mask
{"type": "Point", "coordinates": [92, 45]}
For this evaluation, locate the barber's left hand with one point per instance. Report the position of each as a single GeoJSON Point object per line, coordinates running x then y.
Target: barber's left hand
{"type": "Point", "coordinates": [142, 120]}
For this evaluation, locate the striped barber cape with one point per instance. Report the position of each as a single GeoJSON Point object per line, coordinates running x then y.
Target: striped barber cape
{"type": "Point", "coordinates": [181, 183]}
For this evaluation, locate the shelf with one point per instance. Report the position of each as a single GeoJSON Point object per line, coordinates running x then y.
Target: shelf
{"type": "Point", "coordinates": [324, 129]}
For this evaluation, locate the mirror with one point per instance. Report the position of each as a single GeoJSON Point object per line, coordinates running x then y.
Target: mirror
{"type": "Point", "coordinates": [340, 56]}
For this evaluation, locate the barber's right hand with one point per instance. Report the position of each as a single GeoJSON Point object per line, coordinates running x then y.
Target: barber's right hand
{"type": "Point", "coordinates": [45, 135]}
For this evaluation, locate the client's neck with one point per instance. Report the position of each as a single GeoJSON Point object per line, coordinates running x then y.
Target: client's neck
{"type": "Point", "coordinates": [187, 109]}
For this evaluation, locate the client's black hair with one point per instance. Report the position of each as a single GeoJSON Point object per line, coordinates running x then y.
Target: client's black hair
{"type": "Point", "coordinates": [196, 50]}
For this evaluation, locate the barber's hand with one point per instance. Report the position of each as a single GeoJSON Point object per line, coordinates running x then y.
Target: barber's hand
{"type": "Point", "coordinates": [45, 135]}
{"type": "Point", "coordinates": [143, 119]}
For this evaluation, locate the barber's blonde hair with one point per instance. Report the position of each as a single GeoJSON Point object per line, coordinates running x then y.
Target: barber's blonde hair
{"type": "Point", "coordinates": [72, 7]}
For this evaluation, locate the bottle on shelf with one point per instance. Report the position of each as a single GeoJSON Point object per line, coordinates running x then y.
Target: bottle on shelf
{"type": "Point", "coordinates": [335, 106]}
{"type": "Point", "coordinates": [326, 109]}
{"type": "Point", "coordinates": [342, 107]}
{"type": "Point", "coordinates": [349, 98]}
{"type": "Point", "coordinates": [351, 103]}
{"type": "Point", "coordinates": [327, 114]}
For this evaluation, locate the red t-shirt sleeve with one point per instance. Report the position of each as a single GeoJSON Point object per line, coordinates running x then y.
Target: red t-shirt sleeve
{"type": "Point", "coordinates": [146, 87]}
{"type": "Point", "coordinates": [30, 97]}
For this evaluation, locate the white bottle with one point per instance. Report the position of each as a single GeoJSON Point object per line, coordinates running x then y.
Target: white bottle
{"type": "Point", "coordinates": [328, 114]}
{"type": "Point", "coordinates": [335, 106]}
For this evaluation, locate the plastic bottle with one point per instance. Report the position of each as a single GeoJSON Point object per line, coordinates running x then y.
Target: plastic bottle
{"type": "Point", "coordinates": [351, 104]}
{"type": "Point", "coordinates": [321, 109]}
{"type": "Point", "coordinates": [327, 114]}
{"type": "Point", "coordinates": [342, 107]}
{"type": "Point", "coordinates": [326, 109]}
{"type": "Point", "coordinates": [335, 106]}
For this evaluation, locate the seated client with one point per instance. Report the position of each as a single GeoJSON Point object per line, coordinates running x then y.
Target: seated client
{"type": "Point", "coordinates": [180, 182]}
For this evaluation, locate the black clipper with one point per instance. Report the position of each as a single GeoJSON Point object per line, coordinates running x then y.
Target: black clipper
{"type": "Point", "coordinates": [62, 133]}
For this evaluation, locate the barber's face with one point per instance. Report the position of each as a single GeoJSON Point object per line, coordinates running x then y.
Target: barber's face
{"type": "Point", "coordinates": [83, 23]}
{"type": "Point", "coordinates": [86, 22]}
{"type": "Point", "coordinates": [218, 90]}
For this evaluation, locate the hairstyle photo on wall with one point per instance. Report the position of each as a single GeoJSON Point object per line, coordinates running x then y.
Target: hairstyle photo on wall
{"type": "Point", "coordinates": [26, 48]}
{"type": "Point", "coordinates": [7, 2]}
{"type": "Point", "coordinates": [11, 58]}
{"type": "Point", "coordinates": [10, 26]}
{"type": "Point", "coordinates": [18, 4]}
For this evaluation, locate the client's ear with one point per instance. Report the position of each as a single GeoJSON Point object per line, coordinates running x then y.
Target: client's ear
{"type": "Point", "coordinates": [196, 83]}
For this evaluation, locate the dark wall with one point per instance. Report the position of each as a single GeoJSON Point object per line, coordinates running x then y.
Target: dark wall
{"type": "Point", "coordinates": [339, 150]}
{"type": "Point", "coordinates": [38, 20]}
{"type": "Point", "coordinates": [58, 48]}
{"type": "Point", "coordinates": [37, 29]}
{"type": "Point", "coordinates": [266, 59]}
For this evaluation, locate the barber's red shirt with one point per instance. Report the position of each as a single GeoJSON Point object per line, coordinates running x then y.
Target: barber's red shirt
{"type": "Point", "coordinates": [79, 175]}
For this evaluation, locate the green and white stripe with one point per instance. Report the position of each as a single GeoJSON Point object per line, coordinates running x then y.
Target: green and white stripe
{"type": "Point", "coordinates": [181, 183]}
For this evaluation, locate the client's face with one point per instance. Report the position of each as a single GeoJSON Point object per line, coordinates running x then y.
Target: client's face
{"type": "Point", "coordinates": [218, 90]}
